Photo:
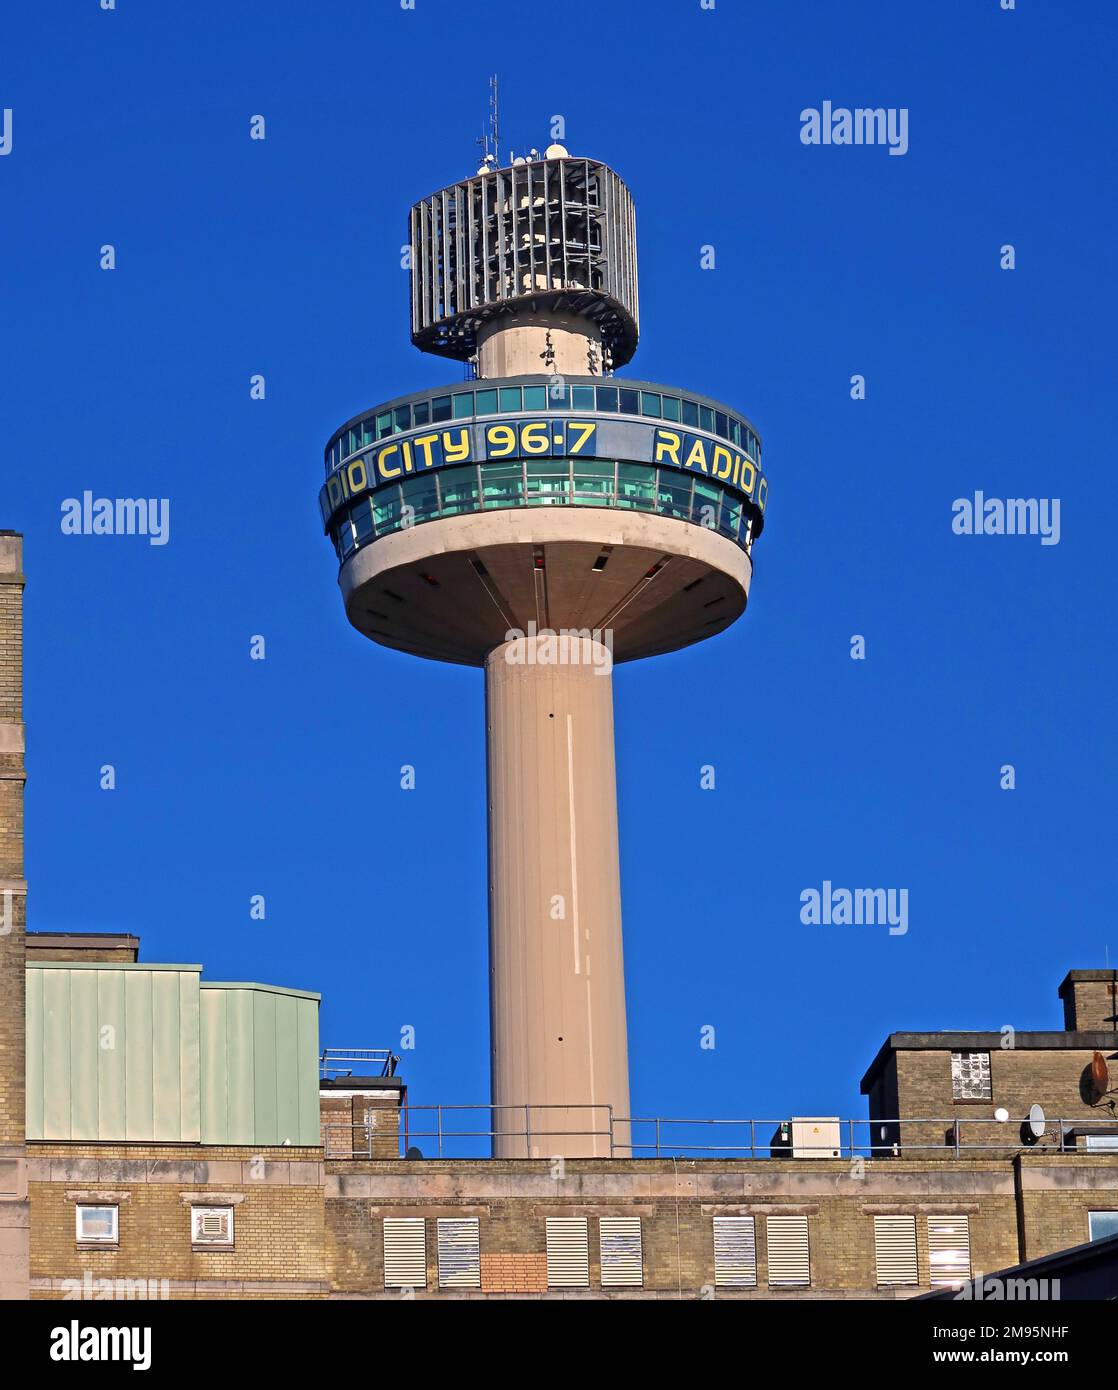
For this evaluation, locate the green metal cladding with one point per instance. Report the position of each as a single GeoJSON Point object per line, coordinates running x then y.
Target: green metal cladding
{"type": "Point", "coordinates": [136, 1052]}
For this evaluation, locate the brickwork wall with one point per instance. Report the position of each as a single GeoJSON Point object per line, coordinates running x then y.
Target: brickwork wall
{"type": "Point", "coordinates": [1019, 1078]}
{"type": "Point", "coordinates": [14, 1209]}
{"type": "Point", "coordinates": [347, 1116]}
{"type": "Point", "coordinates": [1089, 1006]}
{"type": "Point", "coordinates": [677, 1205]}
{"type": "Point", "coordinates": [13, 904]}
{"type": "Point", "coordinates": [278, 1222]}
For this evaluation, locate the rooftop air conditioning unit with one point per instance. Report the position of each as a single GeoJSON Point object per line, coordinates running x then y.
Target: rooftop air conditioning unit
{"type": "Point", "coordinates": [816, 1137]}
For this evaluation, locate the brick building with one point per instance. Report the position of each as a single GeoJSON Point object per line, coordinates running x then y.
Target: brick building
{"type": "Point", "coordinates": [165, 1135]}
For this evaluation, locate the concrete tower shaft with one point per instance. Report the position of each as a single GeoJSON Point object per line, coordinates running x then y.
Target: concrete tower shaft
{"type": "Point", "coordinates": [557, 983]}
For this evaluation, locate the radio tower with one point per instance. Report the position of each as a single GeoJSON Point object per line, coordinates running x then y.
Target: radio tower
{"type": "Point", "coordinates": [480, 522]}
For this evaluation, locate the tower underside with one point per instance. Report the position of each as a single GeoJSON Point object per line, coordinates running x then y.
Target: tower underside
{"type": "Point", "coordinates": [454, 590]}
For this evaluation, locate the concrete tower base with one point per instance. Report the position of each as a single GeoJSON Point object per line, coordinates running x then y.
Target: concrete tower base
{"type": "Point", "coordinates": [557, 996]}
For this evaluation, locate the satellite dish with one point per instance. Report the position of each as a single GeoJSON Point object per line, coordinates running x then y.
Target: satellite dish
{"type": "Point", "coordinates": [556, 152]}
{"type": "Point", "coordinates": [1100, 1076]}
{"type": "Point", "coordinates": [1001, 1114]}
{"type": "Point", "coordinates": [414, 1153]}
{"type": "Point", "coordinates": [1033, 1128]}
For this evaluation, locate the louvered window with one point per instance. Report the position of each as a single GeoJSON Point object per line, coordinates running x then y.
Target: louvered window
{"type": "Point", "coordinates": [211, 1225]}
{"type": "Point", "coordinates": [568, 1253]}
{"type": "Point", "coordinates": [789, 1256]}
{"type": "Point", "coordinates": [459, 1253]}
{"type": "Point", "coordinates": [894, 1242]}
{"type": "Point", "coordinates": [949, 1250]}
{"type": "Point", "coordinates": [405, 1252]}
{"type": "Point", "coordinates": [619, 1238]}
{"type": "Point", "coordinates": [735, 1252]}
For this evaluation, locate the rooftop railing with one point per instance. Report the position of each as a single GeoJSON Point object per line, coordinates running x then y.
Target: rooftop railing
{"type": "Point", "coordinates": [357, 1061]}
{"type": "Point", "coordinates": [527, 1131]}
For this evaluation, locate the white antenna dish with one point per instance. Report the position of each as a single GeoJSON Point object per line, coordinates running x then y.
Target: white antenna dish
{"type": "Point", "coordinates": [1036, 1121]}
{"type": "Point", "coordinates": [556, 152]}
{"type": "Point", "coordinates": [1001, 1114]}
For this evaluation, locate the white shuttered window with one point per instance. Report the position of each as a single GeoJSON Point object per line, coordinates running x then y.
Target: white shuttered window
{"type": "Point", "coordinates": [568, 1253]}
{"type": "Point", "coordinates": [405, 1252]}
{"type": "Point", "coordinates": [459, 1252]}
{"type": "Point", "coordinates": [949, 1250]}
{"type": "Point", "coordinates": [735, 1252]}
{"type": "Point", "coordinates": [894, 1243]}
{"type": "Point", "coordinates": [789, 1256]}
{"type": "Point", "coordinates": [619, 1240]}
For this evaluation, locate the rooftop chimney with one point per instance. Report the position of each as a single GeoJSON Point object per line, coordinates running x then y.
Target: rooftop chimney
{"type": "Point", "coordinates": [1090, 1001]}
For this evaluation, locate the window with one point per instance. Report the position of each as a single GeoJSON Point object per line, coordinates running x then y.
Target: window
{"type": "Point", "coordinates": [510, 397]}
{"type": "Point", "coordinates": [401, 418]}
{"type": "Point", "coordinates": [548, 482]}
{"type": "Point", "coordinates": [440, 409]}
{"type": "Point", "coordinates": [673, 494]}
{"type": "Point", "coordinates": [463, 405]}
{"type": "Point", "coordinates": [582, 398]}
{"type": "Point", "coordinates": [98, 1225]}
{"type": "Point", "coordinates": [628, 401]}
{"type": "Point", "coordinates": [690, 413]}
{"type": "Point", "coordinates": [1102, 1141]}
{"type": "Point", "coordinates": [422, 494]}
{"type": "Point", "coordinates": [405, 1252]}
{"type": "Point", "coordinates": [894, 1244]}
{"type": "Point", "coordinates": [593, 479]}
{"type": "Point", "coordinates": [384, 423]}
{"type": "Point", "coordinates": [789, 1255]}
{"type": "Point", "coordinates": [502, 484]}
{"type": "Point", "coordinates": [607, 397]}
{"type": "Point", "coordinates": [706, 418]}
{"type": "Point", "coordinates": [949, 1251]}
{"type": "Point", "coordinates": [211, 1226]}
{"type": "Point", "coordinates": [1101, 1224]}
{"type": "Point", "coordinates": [535, 398]}
{"type": "Point", "coordinates": [487, 402]}
{"type": "Point", "coordinates": [735, 1252]}
{"type": "Point", "coordinates": [619, 1241]}
{"type": "Point", "coordinates": [970, 1076]}
{"type": "Point", "coordinates": [671, 407]}
{"type": "Point", "coordinates": [558, 397]}
{"type": "Point", "coordinates": [568, 1254]}
{"type": "Point", "coordinates": [422, 412]}
{"type": "Point", "coordinates": [459, 1253]}
{"type": "Point", "coordinates": [636, 486]}
{"type": "Point", "coordinates": [650, 403]}
{"type": "Point", "coordinates": [458, 490]}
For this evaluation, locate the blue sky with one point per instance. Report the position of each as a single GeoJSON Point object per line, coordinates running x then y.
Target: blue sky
{"type": "Point", "coordinates": [282, 257]}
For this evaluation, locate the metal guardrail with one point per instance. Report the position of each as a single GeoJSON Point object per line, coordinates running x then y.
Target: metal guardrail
{"type": "Point", "coordinates": [357, 1061]}
{"type": "Point", "coordinates": [444, 1131]}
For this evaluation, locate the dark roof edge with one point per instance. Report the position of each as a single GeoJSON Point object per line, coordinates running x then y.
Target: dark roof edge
{"type": "Point", "coordinates": [985, 1042]}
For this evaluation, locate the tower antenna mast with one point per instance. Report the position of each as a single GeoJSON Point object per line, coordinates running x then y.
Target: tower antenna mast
{"type": "Point", "coordinates": [494, 120]}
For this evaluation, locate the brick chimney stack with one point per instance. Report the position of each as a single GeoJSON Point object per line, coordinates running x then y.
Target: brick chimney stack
{"type": "Point", "coordinates": [1090, 1003]}
{"type": "Point", "coordinates": [14, 1207]}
